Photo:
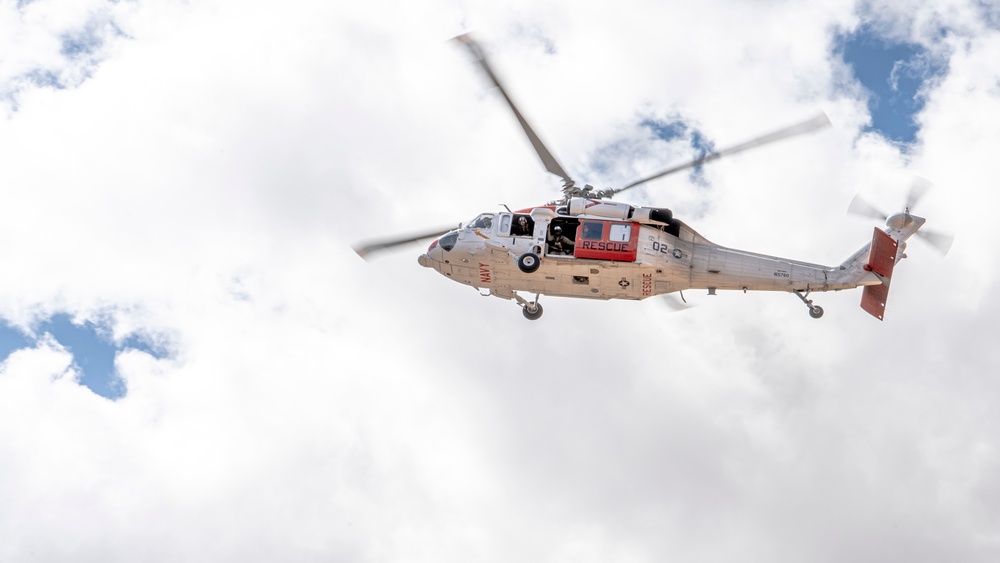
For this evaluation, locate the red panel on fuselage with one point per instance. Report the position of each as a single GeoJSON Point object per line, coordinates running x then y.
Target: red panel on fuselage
{"type": "Point", "coordinates": [607, 247]}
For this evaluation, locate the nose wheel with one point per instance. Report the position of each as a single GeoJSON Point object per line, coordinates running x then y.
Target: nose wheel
{"type": "Point", "coordinates": [815, 311]}
{"type": "Point", "coordinates": [531, 310]}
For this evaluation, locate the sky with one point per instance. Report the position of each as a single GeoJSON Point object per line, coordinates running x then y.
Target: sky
{"type": "Point", "coordinates": [196, 365]}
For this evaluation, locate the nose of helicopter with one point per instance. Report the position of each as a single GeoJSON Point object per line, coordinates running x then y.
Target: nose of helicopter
{"type": "Point", "coordinates": [432, 257]}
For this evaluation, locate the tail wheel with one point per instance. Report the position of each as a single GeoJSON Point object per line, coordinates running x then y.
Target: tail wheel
{"type": "Point", "coordinates": [532, 311]}
{"type": "Point", "coordinates": [815, 311]}
{"type": "Point", "coordinates": [528, 262]}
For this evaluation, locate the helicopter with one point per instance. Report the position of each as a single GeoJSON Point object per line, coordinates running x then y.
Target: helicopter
{"type": "Point", "coordinates": [584, 245]}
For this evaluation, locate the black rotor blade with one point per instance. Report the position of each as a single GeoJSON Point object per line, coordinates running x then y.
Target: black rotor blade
{"type": "Point", "coordinates": [812, 124]}
{"type": "Point", "coordinates": [940, 241]}
{"type": "Point", "coordinates": [364, 250]}
{"type": "Point", "coordinates": [675, 303]}
{"type": "Point", "coordinates": [918, 189]}
{"type": "Point", "coordinates": [859, 206]}
{"type": "Point", "coordinates": [547, 159]}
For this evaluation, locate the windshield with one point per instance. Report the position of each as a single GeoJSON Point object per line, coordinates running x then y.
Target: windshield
{"type": "Point", "coordinates": [483, 221]}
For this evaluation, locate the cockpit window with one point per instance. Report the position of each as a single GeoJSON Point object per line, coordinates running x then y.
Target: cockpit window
{"type": "Point", "coordinates": [447, 242]}
{"type": "Point", "coordinates": [484, 221]}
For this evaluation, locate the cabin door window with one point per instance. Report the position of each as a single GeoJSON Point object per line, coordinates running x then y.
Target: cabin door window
{"type": "Point", "coordinates": [505, 224]}
{"type": "Point", "coordinates": [620, 232]}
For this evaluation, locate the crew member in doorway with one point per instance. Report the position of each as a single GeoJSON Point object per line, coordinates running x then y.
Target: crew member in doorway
{"type": "Point", "coordinates": [558, 242]}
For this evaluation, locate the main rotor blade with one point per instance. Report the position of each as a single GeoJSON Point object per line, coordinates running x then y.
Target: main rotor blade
{"type": "Point", "coordinates": [676, 304]}
{"type": "Point", "coordinates": [859, 206]}
{"type": "Point", "coordinates": [812, 124]}
{"type": "Point", "coordinates": [547, 159]}
{"type": "Point", "coordinates": [940, 241]}
{"type": "Point", "coordinates": [364, 250]}
{"type": "Point", "coordinates": [918, 189]}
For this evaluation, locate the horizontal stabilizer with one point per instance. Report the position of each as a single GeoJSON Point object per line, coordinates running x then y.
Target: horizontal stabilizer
{"type": "Point", "coordinates": [881, 260]}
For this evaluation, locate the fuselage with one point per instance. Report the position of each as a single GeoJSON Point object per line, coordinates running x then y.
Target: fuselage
{"type": "Point", "coordinates": [601, 258]}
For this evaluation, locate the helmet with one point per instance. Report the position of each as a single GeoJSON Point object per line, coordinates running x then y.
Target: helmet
{"type": "Point", "coordinates": [557, 230]}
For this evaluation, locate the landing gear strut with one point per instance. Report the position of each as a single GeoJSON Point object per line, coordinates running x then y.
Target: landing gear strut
{"type": "Point", "coordinates": [530, 309]}
{"type": "Point", "coordinates": [815, 311]}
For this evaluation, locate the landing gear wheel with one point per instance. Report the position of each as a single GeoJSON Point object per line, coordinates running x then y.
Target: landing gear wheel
{"type": "Point", "coordinates": [532, 315]}
{"type": "Point", "coordinates": [815, 311]}
{"type": "Point", "coordinates": [528, 262]}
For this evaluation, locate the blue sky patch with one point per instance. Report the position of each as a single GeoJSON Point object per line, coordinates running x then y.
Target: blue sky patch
{"type": "Point", "coordinates": [895, 74]}
{"type": "Point", "coordinates": [92, 348]}
{"type": "Point", "coordinates": [87, 40]}
{"type": "Point", "coordinates": [990, 12]}
{"type": "Point", "coordinates": [677, 129]}
{"type": "Point", "coordinates": [45, 78]}
{"type": "Point", "coordinates": [83, 43]}
{"type": "Point", "coordinates": [609, 158]}
{"type": "Point", "coordinates": [672, 130]}
{"type": "Point", "coordinates": [12, 339]}
{"type": "Point", "coordinates": [93, 354]}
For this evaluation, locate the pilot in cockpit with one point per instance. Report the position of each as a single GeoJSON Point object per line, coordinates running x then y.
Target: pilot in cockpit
{"type": "Point", "coordinates": [484, 221]}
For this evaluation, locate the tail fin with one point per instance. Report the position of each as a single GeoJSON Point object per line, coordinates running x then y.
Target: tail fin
{"type": "Point", "coordinates": [881, 260]}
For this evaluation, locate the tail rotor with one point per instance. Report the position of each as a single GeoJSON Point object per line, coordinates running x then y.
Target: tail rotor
{"type": "Point", "coordinates": [918, 189]}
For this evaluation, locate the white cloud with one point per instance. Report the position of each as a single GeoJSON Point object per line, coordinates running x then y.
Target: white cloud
{"type": "Point", "coordinates": [54, 44]}
{"type": "Point", "coordinates": [208, 178]}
